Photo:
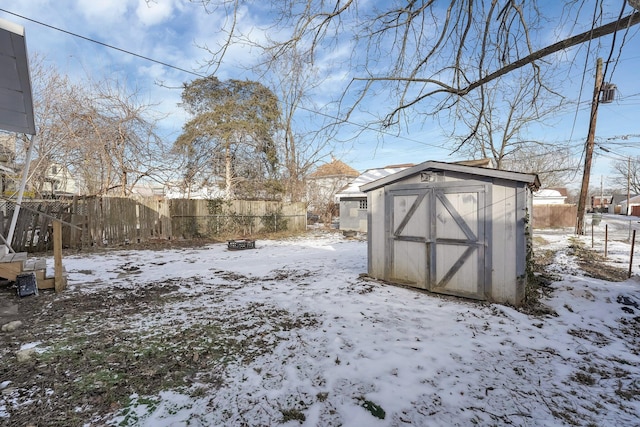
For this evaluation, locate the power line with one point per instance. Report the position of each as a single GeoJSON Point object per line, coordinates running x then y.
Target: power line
{"type": "Point", "coordinates": [578, 105]}
{"type": "Point", "coordinates": [146, 58]}
{"type": "Point", "coordinates": [103, 44]}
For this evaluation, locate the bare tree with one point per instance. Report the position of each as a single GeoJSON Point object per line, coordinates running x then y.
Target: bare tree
{"type": "Point", "coordinates": [100, 132]}
{"type": "Point", "coordinates": [554, 165]}
{"type": "Point", "coordinates": [302, 147]}
{"type": "Point", "coordinates": [128, 136]}
{"type": "Point", "coordinates": [114, 144]}
{"type": "Point", "coordinates": [500, 132]}
{"type": "Point", "coordinates": [51, 98]}
{"type": "Point", "coordinates": [424, 56]}
{"type": "Point", "coordinates": [627, 172]}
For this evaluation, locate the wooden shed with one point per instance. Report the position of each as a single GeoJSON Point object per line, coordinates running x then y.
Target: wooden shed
{"type": "Point", "coordinates": [452, 229]}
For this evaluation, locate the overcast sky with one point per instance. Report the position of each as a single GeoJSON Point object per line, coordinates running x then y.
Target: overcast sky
{"type": "Point", "coordinates": [174, 32]}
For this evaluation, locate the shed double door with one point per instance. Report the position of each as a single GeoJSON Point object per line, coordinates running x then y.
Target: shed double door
{"type": "Point", "coordinates": [437, 235]}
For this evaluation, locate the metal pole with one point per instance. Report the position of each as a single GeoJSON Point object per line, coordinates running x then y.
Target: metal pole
{"type": "Point", "coordinates": [601, 195]}
{"type": "Point", "coordinates": [633, 244]}
{"type": "Point", "coordinates": [23, 184]}
{"type": "Point", "coordinates": [606, 239]}
{"type": "Point", "coordinates": [584, 189]}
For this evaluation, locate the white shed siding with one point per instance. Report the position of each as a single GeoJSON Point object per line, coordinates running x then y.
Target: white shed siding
{"type": "Point", "coordinates": [503, 275]}
{"type": "Point", "coordinates": [353, 216]}
{"type": "Point", "coordinates": [376, 233]}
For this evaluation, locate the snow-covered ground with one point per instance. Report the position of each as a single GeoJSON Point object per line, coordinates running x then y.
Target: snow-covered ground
{"type": "Point", "coordinates": [382, 355]}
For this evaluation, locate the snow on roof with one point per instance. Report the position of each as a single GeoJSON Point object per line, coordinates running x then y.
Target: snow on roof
{"type": "Point", "coordinates": [353, 188]}
{"type": "Point", "coordinates": [632, 200]}
{"type": "Point", "coordinates": [547, 192]}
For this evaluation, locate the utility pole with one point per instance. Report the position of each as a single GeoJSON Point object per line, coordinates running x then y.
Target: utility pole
{"type": "Point", "coordinates": [628, 185]}
{"type": "Point", "coordinates": [584, 190]}
{"type": "Point", "coordinates": [601, 194]}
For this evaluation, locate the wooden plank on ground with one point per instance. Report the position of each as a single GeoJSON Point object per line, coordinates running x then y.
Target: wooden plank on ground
{"type": "Point", "coordinates": [14, 257]}
{"type": "Point", "coordinates": [48, 283]}
{"type": "Point", "coordinates": [34, 264]}
{"type": "Point", "coordinates": [10, 270]}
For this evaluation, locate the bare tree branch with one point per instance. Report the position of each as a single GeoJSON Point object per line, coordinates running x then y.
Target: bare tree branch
{"type": "Point", "coordinates": [604, 30]}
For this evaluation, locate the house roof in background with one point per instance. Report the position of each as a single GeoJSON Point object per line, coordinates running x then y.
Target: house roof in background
{"type": "Point", "coordinates": [16, 101]}
{"type": "Point", "coordinates": [562, 190]}
{"type": "Point", "coordinates": [632, 200]}
{"type": "Point", "coordinates": [617, 198]}
{"type": "Point", "coordinates": [548, 192]}
{"type": "Point", "coordinates": [334, 168]}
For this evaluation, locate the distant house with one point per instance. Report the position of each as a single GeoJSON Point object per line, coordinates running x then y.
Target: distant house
{"type": "Point", "coordinates": [551, 210]}
{"type": "Point", "coordinates": [325, 182]}
{"type": "Point", "coordinates": [477, 163]}
{"type": "Point", "coordinates": [615, 205]}
{"type": "Point", "coordinates": [600, 203]}
{"type": "Point", "coordinates": [56, 179]}
{"type": "Point", "coordinates": [60, 181]}
{"type": "Point", "coordinates": [633, 206]}
{"type": "Point", "coordinates": [353, 202]}
{"type": "Point", "coordinates": [7, 157]}
{"type": "Point", "coordinates": [147, 189]}
{"type": "Point", "coordinates": [548, 196]}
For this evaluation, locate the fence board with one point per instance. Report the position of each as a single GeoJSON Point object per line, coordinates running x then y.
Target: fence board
{"type": "Point", "coordinates": [116, 220]}
{"type": "Point", "coordinates": [554, 216]}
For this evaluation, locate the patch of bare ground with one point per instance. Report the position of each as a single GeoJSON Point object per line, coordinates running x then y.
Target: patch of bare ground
{"type": "Point", "coordinates": [539, 280]}
{"type": "Point", "coordinates": [595, 265]}
{"type": "Point", "coordinates": [95, 350]}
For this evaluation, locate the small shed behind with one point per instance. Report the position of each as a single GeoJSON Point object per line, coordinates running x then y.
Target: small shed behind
{"type": "Point", "coordinates": [353, 202]}
{"type": "Point", "coordinates": [452, 229]}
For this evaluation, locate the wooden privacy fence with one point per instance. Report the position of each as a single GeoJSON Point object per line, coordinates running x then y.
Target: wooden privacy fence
{"type": "Point", "coordinates": [210, 218]}
{"type": "Point", "coordinates": [554, 216]}
{"type": "Point", "coordinates": [115, 220]}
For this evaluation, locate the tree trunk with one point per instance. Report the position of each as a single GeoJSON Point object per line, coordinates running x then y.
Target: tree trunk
{"type": "Point", "coordinates": [228, 193]}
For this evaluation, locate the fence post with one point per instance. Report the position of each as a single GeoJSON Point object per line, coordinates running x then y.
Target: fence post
{"type": "Point", "coordinates": [57, 256]}
{"type": "Point", "coordinates": [606, 239]}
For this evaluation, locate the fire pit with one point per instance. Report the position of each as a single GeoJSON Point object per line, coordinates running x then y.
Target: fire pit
{"type": "Point", "coordinates": [234, 245]}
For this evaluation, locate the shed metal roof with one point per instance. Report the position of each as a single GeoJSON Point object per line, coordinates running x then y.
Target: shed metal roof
{"type": "Point", "coordinates": [16, 103]}
{"type": "Point", "coordinates": [530, 179]}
